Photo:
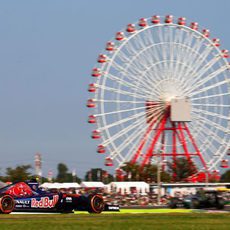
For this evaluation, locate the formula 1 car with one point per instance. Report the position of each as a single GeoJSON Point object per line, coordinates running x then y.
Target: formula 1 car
{"type": "Point", "coordinates": [202, 199]}
{"type": "Point", "coordinates": [26, 196]}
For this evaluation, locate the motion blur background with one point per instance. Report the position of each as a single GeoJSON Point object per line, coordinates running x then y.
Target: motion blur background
{"type": "Point", "coordinates": [47, 51]}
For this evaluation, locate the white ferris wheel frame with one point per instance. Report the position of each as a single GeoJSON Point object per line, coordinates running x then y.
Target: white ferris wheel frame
{"type": "Point", "coordinates": [108, 139]}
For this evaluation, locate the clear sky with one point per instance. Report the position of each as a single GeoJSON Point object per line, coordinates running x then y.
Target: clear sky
{"type": "Point", "coordinates": [47, 51]}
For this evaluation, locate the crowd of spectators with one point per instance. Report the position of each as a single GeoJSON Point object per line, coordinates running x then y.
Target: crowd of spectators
{"type": "Point", "coordinates": [133, 198]}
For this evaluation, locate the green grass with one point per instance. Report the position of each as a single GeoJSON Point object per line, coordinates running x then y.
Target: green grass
{"type": "Point", "coordinates": [138, 211]}
{"type": "Point", "coordinates": [153, 221]}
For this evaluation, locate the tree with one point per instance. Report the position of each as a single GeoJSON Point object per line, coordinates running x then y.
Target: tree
{"type": "Point", "coordinates": [132, 171]}
{"type": "Point", "coordinates": [225, 177]}
{"type": "Point", "coordinates": [98, 174]}
{"type": "Point", "coordinates": [64, 176]}
{"type": "Point", "coordinates": [62, 173]}
{"type": "Point", "coordinates": [181, 168]}
{"type": "Point", "coordinates": [148, 173]}
{"type": "Point", "coordinates": [20, 173]}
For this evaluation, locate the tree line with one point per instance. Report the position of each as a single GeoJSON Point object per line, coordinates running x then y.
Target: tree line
{"type": "Point", "coordinates": [177, 171]}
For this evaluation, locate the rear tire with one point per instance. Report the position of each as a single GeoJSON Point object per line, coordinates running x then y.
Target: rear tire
{"type": "Point", "coordinates": [173, 203]}
{"type": "Point", "coordinates": [7, 204]}
{"type": "Point", "coordinates": [195, 204]}
{"type": "Point", "coordinates": [220, 204]}
{"type": "Point", "coordinates": [96, 204]}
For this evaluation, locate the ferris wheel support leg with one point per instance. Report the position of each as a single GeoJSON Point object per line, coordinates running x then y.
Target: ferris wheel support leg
{"type": "Point", "coordinates": [196, 148]}
{"type": "Point", "coordinates": [149, 153]}
{"type": "Point", "coordinates": [183, 142]}
{"type": "Point", "coordinates": [174, 149]}
{"type": "Point", "coordinates": [143, 141]}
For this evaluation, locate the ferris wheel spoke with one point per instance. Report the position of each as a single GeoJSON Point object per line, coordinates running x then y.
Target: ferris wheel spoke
{"type": "Point", "coordinates": [185, 50]}
{"type": "Point", "coordinates": [197, 63]}
{"type": "Point", "coordinates": [208, 143]}
{"type": "Point", "coordinates": [213, 105]}
{"type": "Point", "coordinates": [210, 96]}
{"type": "Point", "coordinates": [138, 137]}
{"type": "Point", "coordinates": [121, 111]}
{"type": "Point", "coordinates": [127, 84]}
{"type": "Point", "coordinates": [124, 120]}
{"type": "Point", "coordinates": [122, 92]}
{"type": "Point", "coordinates": [209, 77]}
{"type": "Point", "coordinates": [211, 114]}
{"type": "Point", "coordinates": [120, 101]}
{"type": "Point", "coordinates": [216, 125]}
{"type": "Point", "coordinates": [134, 77]}
{"type": "Point", "coordinates": [190, 56]}
{"type": "Point", "coordinates": [204, 89]}
{"type": "Point", "coordinates": [155, 114]}
{"type": "Point", "coordinates": [124, 132]}
{"type": "Point", "coordinates": [207, 67]}
{"type": "Point", "coordinates": [209, 132]}
{"type": "Point", "coordinates": [129, 127]}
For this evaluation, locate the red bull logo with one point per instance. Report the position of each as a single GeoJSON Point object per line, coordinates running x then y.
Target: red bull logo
{"type": "Point", "coordinates": [45, 202]}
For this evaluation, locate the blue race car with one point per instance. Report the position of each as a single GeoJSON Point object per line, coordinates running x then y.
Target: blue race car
{"type": "Point", "coordinates": [27, 197]}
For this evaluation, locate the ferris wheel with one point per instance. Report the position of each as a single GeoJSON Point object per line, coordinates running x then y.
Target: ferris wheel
{"type": "Point", "coordinates": [161, 89]}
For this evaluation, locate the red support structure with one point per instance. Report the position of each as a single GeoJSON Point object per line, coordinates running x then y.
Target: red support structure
{"type": "Point", "coordinates": [149, 153]}
{"type": "Point", "coordinates": [151, 122]}
{"type": "Point", "coordinates": [196, 147]}
{"type": "Point", "coordinates": [153, 141]}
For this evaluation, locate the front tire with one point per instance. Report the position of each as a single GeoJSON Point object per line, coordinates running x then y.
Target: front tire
{"type": "Point", "coordinates": [7, 204]}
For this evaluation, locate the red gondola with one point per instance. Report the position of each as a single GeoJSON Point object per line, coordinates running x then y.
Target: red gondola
{"type": "Point", "coordinates": [102, 58]}
{"type": "Point", "coordinates": [168, 19]}
{"type": "Point", "coordinates": [181, 21]}
{"type": "Point", "coordinates": [120, 36]}
{"type": "Point", "coordinates": [110, 46]}
{"type": "Point", "coordinates": [155, 19]}
{"type": "Point", "coordinates": [96, 134]}
{"type": "Point", "coordinates": [194, 25]}
{"type": "Point", "coordinates": [206, 33]}
{"type": "Point", "coordinates": [143, 22]}
{"type": "Point", "coordinates": [216, 42]}
{"type": "Point", "coordinates": [224, 164]}
{"type": "Point", "coordinates": [91, 103]}
{"type": "Point", "coordinates": [92, 119]}
{"type": "Point", "coordinates": [108, 161]}
{"type": "Point", "coordinates": [101, 149]}
{"type": "Point", "coordinates": [96, 72]}
{"type": "Point", "coordinates": [92, 88]}
{"type": "Point", "coordinates": [225, 53]}
{"type": "Point", "coordinates": [131, 28]}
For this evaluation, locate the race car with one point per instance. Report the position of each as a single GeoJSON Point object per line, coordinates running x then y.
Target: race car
{"type": "Point", "coordinates": [202, 199]}
{"type": "Point", "coordinates": [27, 196]}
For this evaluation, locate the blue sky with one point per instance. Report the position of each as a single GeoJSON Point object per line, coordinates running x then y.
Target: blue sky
{"type": "Point", "coordinates": [47, 51]}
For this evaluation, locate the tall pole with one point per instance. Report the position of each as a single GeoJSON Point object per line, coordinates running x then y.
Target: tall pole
{"type": "Point", "coordinates": [159, 179]}
{"type": "Point", "coordinates": [38, 166]}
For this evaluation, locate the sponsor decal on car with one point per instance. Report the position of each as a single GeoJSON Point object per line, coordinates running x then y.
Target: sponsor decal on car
{"type": "Point", "coordinates": [44, 202]}
{"type": "Point", "coordinates": [22, 201]}
{"type": "Point", "coordinates": [68, 199]}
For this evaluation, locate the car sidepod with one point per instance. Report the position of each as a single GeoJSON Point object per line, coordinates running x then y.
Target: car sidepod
{"type": "Point", "coordinates": [37, 203]}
